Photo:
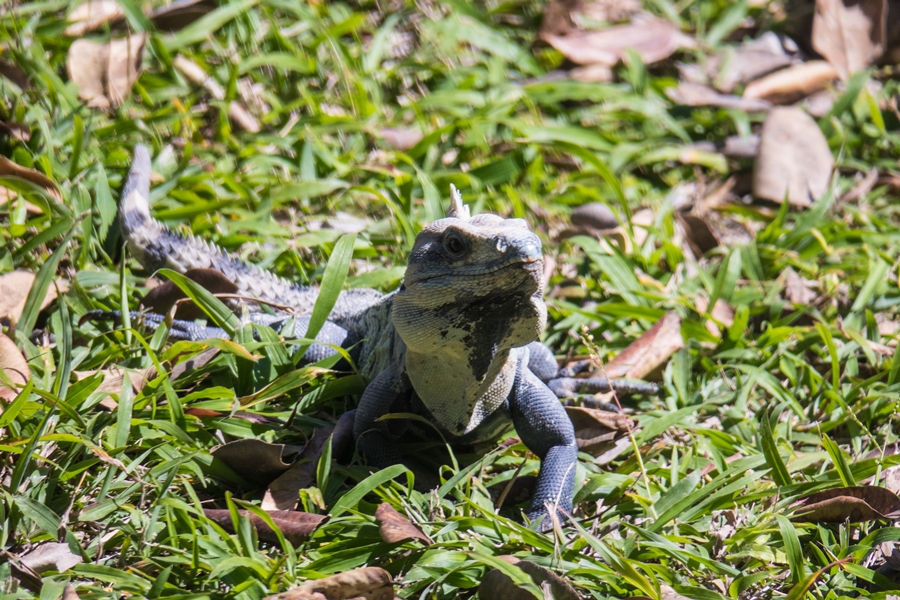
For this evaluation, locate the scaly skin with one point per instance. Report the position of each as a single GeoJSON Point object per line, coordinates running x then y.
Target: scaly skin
{"type": "Point", "coordinates": [454, 344]}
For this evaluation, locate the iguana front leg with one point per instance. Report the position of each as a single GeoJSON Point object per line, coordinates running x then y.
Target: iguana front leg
{"type": "Point", "coordinates": [372, 439]}
{"type": "Point", "coordinates": [545, 428]}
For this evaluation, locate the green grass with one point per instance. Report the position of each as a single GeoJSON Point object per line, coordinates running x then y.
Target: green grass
{"type": "Point", "coordinates": [788, 400]}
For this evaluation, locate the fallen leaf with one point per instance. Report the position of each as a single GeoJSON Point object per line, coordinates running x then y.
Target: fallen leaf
{"type": "Point", "coordinates": [284, 492]}
{"type": "Point", "coordinates": [180, 14]}
{"type": "Point", "coordinates": [741, 146]}
{"type": "Point", "coordinates": [401, 138]}
{"type": "Point", "coordinates": [794, 83]}
{"type": "Point", "coordinates": [853, 504]}
{"type": "Point", "coordinates": [17, 131]}
{"type": "Point", "coordinates": [697, 94]}
{"type": "Point", "coordinates": [52, 555]}
{"type": "Point", "coordinates": [236, 111]}
{"type": "Point", "coordinates": [497, 584]}
{"type": "Point", "coordinates": [597, 431]}
{"type": "Point", "coordinates": [850, 34]}
{"type": "Point", "coordinates": [106, 72]}
{"type": "Point", "coordinates": [650, 351]}
{"type": "Point", "coordinates": [15, 74]}
{"type": "Point", "coordinates": [593, 74]}
{"type": "Point", "coordinates": [162, 298]}
{"type": "Point", "coordinates": [794, 159]}
{"type": "Point", "coordinates": [13, 365]}
{"type": "Point", "coordinates": [595, 215]}
{"type": "Point", "coordinates": [92, 15]}
{"type": "Point", "coordinates": [366, 583]}
{"type": "Point", "coordinates": [652, 39]}
{"type": "Point", "coordinates": [862, 188]}
{"type": "Point", "coordinates": [14, 288]}
{"type": "Point", "coordinates": [69, 593]}
{"type": "Point", "coordinates": [736, 66]}
{"type": "Point", "coordinates": [395, 528]}
{"type": "Point", "coordinates": [562, 17]}
{"type": "Point", "coordinates": [294, 525]}
{"type": "Point", "coordinates": [10, 169]}
{"type": "Point", "coordinates": [797, 290]}
{"type": "Point", "coordinates": [257, 461]}
{"type": "Point", "coordinates": [721, 312]}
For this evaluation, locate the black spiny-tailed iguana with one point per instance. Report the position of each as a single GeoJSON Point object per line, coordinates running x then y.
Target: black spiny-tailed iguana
{"type": "Point", "coordinates": [456, 343]}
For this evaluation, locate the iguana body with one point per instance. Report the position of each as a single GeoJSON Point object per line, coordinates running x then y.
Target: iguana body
{"type": "Point", "coordinates": [454, 344]}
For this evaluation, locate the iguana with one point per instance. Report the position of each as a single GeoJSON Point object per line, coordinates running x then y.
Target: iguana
{"type": "Point", "coordinates": [455, 344]}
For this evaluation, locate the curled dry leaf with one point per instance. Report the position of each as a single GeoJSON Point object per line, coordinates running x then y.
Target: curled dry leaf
{"type": "Point", "coordinates": [654, 40]}
{"type": "Point", "coordinates": [257, 461]}
{"type": "Point", "coordinates": [92, 15]}
{"type": "Point", "coordinates": [737, 66]}
{"type": "Point", "coordinates": [850, 34]}
{"type": "Point", "coordinates": [395, 528]}
{"type": "Point", "coordinates": [597, 431]}
{"type": "Point", "coordinates": [650, 351]}
{"type": "Point", "coordinates": [496, 584]}
{"type": "Point", "coordinates": [105, 73]}
{"type": "Point", "coordinates": [794, 159]}
{"type": "Point", "coordinates": [401, 138]}
{"type": "Point", "coordinates": [14, 288]}
{"type": "Point", "coordinates": [697, 94]}
{"type": "Point", "coordinates": [853, 504]}
{"type": "Point", "coordinates": [10, 169]}
{"type": "Point", "coordinates": [792, 84]}
{"type": "Point", "coordinates": [163, 297]}
{"type": "Point", "coordinates": [283, 492]}
{"type": "Point", "coordinates": [14, 366]}
{"type": "Point", "coordinates": [367, 583]}
{"type": "Point", "coordinates": [55, 556]}
{"type": "Point", "coordinates": [294, 525]}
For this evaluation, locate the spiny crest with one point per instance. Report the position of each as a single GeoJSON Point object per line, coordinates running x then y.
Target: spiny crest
{"type": "Point", "coordinates": [457, 208]}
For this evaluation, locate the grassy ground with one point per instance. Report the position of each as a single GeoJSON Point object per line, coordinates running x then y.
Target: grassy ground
{"type": "Point", "coordinates": [789, 399]}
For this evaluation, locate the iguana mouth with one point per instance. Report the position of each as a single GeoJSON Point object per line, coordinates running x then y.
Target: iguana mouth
{"type": "Point", "coordinates": [477, 272]}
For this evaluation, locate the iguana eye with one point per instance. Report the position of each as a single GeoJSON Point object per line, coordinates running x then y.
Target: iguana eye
{"type": "Point", "coordinates": [455, 245]}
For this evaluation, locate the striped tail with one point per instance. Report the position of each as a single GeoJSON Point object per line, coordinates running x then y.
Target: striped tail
{"type": "Point", "coordinates": [156, 246]}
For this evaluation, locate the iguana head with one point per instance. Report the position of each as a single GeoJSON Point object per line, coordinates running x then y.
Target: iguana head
{"type": "Point", "coordinates": [473, 288]}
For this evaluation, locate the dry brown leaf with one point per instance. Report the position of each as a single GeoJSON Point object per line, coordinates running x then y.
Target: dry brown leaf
{"type": "Point", "coordinates": [294, 525]}
{"type": "Point", "coordinates": [17, 131]}
{"type": "Point", "coordinates": [395, 528]}
{"type": "Point", "coordinates": [792, 84]}
{"type": "Point", "coordinates": [51, 555]}
{"type": "Point", "coordinates": [736, 66]}
{"type": "Point", "coordinates": [797, 290]}
{"type": "Point", "coordinates": [14, 288]}
{"type": "Point", "coordinates": [15, 74]}
{"type": "Point", "coordinates": [850, 34]}
{"type": "Point", "coordinates": [853, 504]}
{"type": "Point", "coordinates": [236, 111]}
{"type": "Point", "coordinates": [562, 17]}
{"type": "Point", "coordinates": [180, 14]}
{"type": "Point", "coordinates": [654, 40]}
{"type": "Point", "coordinates": [497, 585]}
{"type": "Point", "coordinates": [401, 138]}
{"type": "Point", "coordinates": [92, 15]}
{"type": "Point", "coordinates": [595, 215]}
{"type": "Point", "coordinates": [69, 593]}
{"type": "Point", "coordinates": [105, 73]}
{"type": "Point", "coordinates": [597, 431]}
{"type": "Point", "coordinates": [13, 365]}
{"type": "Point", "coordinates": [256, 460]}
{"type": "Point", "coordinates": [10, 169]}
{"type": "Point", "coordinates": [283, 492]}
{"type": "Point", "coordinates": [721, 312]}
{"type": "Point", "coordinates": [697, 94]}
{"type": "Point", "coordinates": [162, 298]}
{"type": "Point", "coordinates": [794, 159]}
{"type": "Point", "coordinates": [592, 74]}
{"type": "Point", "coordinates": [861, 189]}
{"type": "Point", "coordinates": [650, 351]}
{"type": "Point", "coordinates": [367, 583]}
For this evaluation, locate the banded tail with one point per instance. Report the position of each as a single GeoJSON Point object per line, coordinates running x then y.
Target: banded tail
{"type": "Point", "coordinates": [156, 246]}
